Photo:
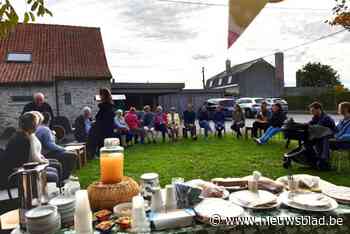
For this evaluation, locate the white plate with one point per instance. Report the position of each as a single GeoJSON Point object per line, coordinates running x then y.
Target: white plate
{"type": "Point", "coordinates": [41, 212]}
{"type": "Point", "coordinates": [118, 208]}
{"type": "Point", "coordinates": [62, 201]}
{"type": "Point", "coordinates": [339, 193]}
{"type": "Point", "coordinates": [217, 206]}
{"type": "Point", "coordinates": [245, 198]}
{"type": "Point", "coordinates": [285, 200]}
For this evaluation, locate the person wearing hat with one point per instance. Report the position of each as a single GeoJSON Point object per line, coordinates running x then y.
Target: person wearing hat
{"type": "Point", "coordinates": [148, 124]}
{"type": "Point", "coordinates": [275, 124]}
{"type": "Point", "coordinates": [174, 123]}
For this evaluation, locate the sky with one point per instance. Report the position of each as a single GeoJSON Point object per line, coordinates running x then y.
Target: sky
{"type": "Point", "coordinates": [158, 41]}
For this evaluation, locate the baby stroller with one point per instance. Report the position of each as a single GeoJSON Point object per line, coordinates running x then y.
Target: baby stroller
{"type": "Point", "coordinates": [307, 153]}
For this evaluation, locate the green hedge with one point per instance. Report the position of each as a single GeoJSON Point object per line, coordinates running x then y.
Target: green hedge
{"type": "Point", "coordinates": [329, 100]}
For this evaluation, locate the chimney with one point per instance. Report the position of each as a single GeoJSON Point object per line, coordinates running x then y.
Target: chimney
{"type": "Point", "coordinates": [228, 66]}
{"type": "Point", "coordinates": [279, 73]}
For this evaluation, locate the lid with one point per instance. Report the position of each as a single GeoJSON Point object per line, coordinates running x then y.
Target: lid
{"type": "Point", "coordinates": [149, 176]}
{"type": "Point", "coordinates": [111, 142]}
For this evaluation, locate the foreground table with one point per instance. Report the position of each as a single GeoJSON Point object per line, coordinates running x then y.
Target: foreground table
{"type": "Point", "coordinates": [342, 212]}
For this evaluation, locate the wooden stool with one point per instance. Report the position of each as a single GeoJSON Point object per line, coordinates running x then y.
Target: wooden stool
{"type": "Point", "coordinates": [80, 150]}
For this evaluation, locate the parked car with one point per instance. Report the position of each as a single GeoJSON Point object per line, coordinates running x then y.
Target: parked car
{"type": "Point", "coordinates": [284, 103]}
{"type": "Point", "coordinates": [251, 106]}
{"type": "Point", "coordinates": [226, 103]}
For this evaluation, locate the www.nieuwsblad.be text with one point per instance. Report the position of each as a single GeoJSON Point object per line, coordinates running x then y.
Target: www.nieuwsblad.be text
{"type": "Point", "coordinates": [217, 220]}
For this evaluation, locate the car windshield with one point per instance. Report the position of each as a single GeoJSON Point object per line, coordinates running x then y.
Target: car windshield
{"type": "Point", "coordinates": [227, 103]}
{"type": "Point", "coordinates": [259, 100]}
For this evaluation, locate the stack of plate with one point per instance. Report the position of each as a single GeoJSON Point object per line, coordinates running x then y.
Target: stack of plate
{"type": "Point", "coordinates": [43, 219]}
{"type": "Point", "coordinates": [66, 207]}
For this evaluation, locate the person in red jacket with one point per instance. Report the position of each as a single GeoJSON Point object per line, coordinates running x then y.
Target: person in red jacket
{"type": "Point", "coordinates": [134, 124]}
{"type": "Point", "coordinates": [161, 122]}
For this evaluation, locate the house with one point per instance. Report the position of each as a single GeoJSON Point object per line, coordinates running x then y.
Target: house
{"type": "Point", "coordinates": [256, 78]}
{"type": "Point", "coordinates": [66, 63]}
{"type": "Point", "coordinates": [164, 94]}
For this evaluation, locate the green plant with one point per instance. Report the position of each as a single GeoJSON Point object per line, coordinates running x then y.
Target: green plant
{"type": "Point", "coordinates": [9, 17]}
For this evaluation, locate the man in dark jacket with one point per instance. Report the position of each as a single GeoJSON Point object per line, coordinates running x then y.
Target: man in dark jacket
{"type": "Point", "coordinates": [275, 124]}
{"type": "Point", "coordinates": [83, 125]}
{"type": "Point", "coordinates": [319, 117]}
{"type": "Point", "coordinates": [189, 118]}
{"type": "Point", "coordinates": [38, 104]}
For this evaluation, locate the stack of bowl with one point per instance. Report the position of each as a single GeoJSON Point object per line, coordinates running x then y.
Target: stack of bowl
{"type": "Point", "coordinates": [43, 219]}
{"type": "Point", "coordinates": [66, 207]}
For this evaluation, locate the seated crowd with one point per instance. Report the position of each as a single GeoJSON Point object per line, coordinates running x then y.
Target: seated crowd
{"type": "Point", "coordinates": [35, 141]}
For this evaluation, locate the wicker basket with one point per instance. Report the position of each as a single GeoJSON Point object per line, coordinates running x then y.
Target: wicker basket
{"type": "Point", "coordinates": [106, 196]}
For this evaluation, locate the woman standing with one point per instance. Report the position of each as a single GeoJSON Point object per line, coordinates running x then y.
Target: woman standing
{"type": "Point", "coordinates": [105, 117]}
{"type": "Point", "coordinates": [238, 120]}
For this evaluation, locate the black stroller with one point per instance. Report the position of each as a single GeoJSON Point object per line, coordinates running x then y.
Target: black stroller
{"type": "Point", "coordinates": [306, 153]}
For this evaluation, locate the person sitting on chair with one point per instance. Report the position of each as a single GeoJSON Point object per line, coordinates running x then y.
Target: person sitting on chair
{"type": "Point", "coordinates": [342, 135]}
{"type": "Point", "coordinates": [320, 118]}
{"type": "Point", "coordinates": [203, 118]}
{"type": "Point", "coordinates": [238, 120]}
{"type": "Point", "coordinates": [219, 120]}
{"type": "Point", "coordinates": [20, 150]}
{"type": "Point", "coordinates": [275, 123]}
{"type": "Point", "coordinates": [38, 104]}
{"type": "Point", "coordinates": [262, 121]}
{"type": "Point", "coordinates": [83, 125]}
{"type": "Point", "coordinates": [189, 119]}
{"type": "Point", "coordinates": [122, 128]}
{"type": "Point", "coordinates": [148, 124]}
{"type": "Point", "coordinates": [134, 124]}
{"type": "Point", "coordinates": [174, 123]}
{"type": "Point", "coordinates": [53, 151]}
{"type": "Point", "coordinates": [161, 122]}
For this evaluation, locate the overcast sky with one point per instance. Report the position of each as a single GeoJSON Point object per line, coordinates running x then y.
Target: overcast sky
{"type": "Point", "coordinates": [155, 41]}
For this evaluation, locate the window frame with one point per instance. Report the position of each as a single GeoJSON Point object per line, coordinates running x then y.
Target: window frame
{"type": "Point", "coordinates": [29, 60]}
{"type": "Point", "coordinates": [68, 98]}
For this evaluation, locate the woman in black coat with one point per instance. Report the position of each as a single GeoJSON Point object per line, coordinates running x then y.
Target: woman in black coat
{"type": "Point", "coordinates": [275, 124]}
{"type": "Point", "coordinates": [105, 117]}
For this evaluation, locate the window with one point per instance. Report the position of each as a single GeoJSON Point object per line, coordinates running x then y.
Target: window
{"type": "Point", "coordinates": [67, 98]}
{"type": "Point", "coordinates": [211, 83]}
{"type": "Point", "coordinates": [220, 82]}
{"type": "Point", "coordinates": [17, 57]}
{"type": "Point", "coordinates": [21, 98]}
{"type": "Point", "coordinates": [229, 81]}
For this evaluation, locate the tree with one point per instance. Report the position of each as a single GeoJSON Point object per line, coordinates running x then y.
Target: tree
{"type": "Point", "coordinates": [317, 75]}
{"type": "Point", "coordinates": [9, 17]}
{"type": "Point", "coordinates": [341, 14]}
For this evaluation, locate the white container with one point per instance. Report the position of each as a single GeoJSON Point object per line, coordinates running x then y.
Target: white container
{"type": "Point", "coordinates": [157, 204]}
{"type": "Point", "coordinates": [83, 215]}
{"type": "Point", "coordinates": [170, 198]}
{"type": "Point", "coordinates": [139, 223]}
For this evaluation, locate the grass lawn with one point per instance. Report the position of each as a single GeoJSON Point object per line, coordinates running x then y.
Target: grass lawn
{"type": "Point", "coordinates": [203, 159]}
